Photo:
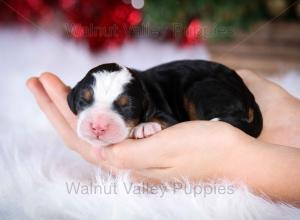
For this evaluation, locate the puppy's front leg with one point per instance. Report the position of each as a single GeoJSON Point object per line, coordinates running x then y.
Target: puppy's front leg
{"type": "Point", "coordinates": [156, 123]}
{"type": "Point", "coordinates": [145, 129]}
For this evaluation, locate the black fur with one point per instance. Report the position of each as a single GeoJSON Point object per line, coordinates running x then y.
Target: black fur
{"type": "Point", "coordinates": [75, 99]}
{"type": "Point", "coordinates": [214, 89]}
{"type": "Point", "coordinates": [160, 93]}
{"type": "Point", "coordinates": [133, 111]}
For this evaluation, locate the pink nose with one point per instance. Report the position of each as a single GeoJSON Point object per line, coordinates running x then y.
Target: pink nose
{"type": "Point", "coordinates": [99, 129]}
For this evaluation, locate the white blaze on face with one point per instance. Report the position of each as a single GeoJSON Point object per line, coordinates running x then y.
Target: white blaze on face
{"type": "Point", "coordinates": [109, 85]}
{"type": "Point", "coordinates": [99, 124]}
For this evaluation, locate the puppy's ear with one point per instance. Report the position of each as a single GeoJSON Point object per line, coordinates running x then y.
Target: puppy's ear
{"type": "Point", "coordinates": [71, 98]}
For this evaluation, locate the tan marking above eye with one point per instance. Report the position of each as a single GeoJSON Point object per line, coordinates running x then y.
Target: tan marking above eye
{"type": "Point", "coordinates": [87, 94]}
{"type": "Point", "coordinates": [123, 100]}
{"type": "Point", "coordinates": [190, 109]}
{"type": "Point", "coordinates": [250, 115]}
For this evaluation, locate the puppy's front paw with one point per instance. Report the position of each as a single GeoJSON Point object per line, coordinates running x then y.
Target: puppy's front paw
{"type": "Point", "coordinates": [145, 130]}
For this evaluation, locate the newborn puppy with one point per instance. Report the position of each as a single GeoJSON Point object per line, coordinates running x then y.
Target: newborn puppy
{"type": "Point", "coordinates": [115, 102]}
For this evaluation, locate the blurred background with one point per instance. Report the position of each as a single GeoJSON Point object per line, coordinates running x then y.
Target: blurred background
{"type": "Point", "coordinates": [70, 36]}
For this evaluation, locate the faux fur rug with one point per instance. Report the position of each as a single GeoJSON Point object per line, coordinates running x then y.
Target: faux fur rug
{"type": "Point", "coordinates": [42, 179]}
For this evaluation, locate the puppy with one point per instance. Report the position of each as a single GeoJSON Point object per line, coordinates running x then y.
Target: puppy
{"type": "Point", "coordinates": [115, 102]}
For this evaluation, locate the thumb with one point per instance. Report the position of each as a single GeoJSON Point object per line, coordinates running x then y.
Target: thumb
{"type": "Point", "coordinates": [137, 153]}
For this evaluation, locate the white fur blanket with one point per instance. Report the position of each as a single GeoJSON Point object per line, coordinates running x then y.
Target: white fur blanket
{"type": "Point", "coordinates": [37, 170]}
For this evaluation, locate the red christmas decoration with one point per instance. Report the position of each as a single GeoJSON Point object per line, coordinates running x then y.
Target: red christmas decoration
{"type": "Point", "coordinates": [34, 12]}
{"type": "Point", "coordinates": [192, 33]}
{"type": "Point", "coordinates": [100, 23]}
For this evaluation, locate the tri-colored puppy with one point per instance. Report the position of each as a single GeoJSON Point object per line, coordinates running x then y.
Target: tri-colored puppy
{"type": "Point", "coordinates": [115, 102]}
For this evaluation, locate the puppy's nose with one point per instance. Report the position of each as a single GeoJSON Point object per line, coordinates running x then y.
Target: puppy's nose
{"type": "Point", "coordinates": [98, 129]}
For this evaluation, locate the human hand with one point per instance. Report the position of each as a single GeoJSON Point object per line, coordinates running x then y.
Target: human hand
{"type": "Point", "coordinates": [51, 94]}
{"type": "Point", "coordinates": [197, 150]}
{"type": "Point", "coordinates": [190, 139]}
{"type": "Point", "coordinates": [203, 150]}
{"type": "Point", "coordinates": [280, 110]}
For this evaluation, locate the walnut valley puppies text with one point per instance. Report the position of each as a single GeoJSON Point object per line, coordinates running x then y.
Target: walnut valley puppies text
{"type": "Point", "coordinates": [195, 190]}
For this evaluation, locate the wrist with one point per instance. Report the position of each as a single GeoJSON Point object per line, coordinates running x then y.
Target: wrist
{"type": "Point", "coordinates": [229, 149]}
{"type": "Point", "coordinates": [238, 148]}
{"type": "Point", "coordinates": [266, 168]}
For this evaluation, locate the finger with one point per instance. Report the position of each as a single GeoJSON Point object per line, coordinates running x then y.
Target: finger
{"type": "Point", "coordinates": [58, 92]}
{"type": "Point", "coordinates": [128, 155]}
{"type": "Point", "coordinates": [157, 151]}
{"type": "Point", "coordinates": [69, 136]}
{"type": "Point", "coordinates": [150, 152]}
{"type": "Point", "coordinates": [96, 152]}
{"type": "Point", "coordinates": [156, 176]}
{"type": "Point", "coordinates": [162, 174]}
{"type": "Point", "coordinates": [248, 75]}
{"type": "Point", "coordinates": [47, 106]}
{"type": "Point", "coordinates": [138, 177]}
{"type": "Point", "coordinates": [58, 121]}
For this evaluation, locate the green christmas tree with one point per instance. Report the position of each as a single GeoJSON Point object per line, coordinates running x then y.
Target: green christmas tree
{"type": "Point", "coordinates": [230, 15]}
